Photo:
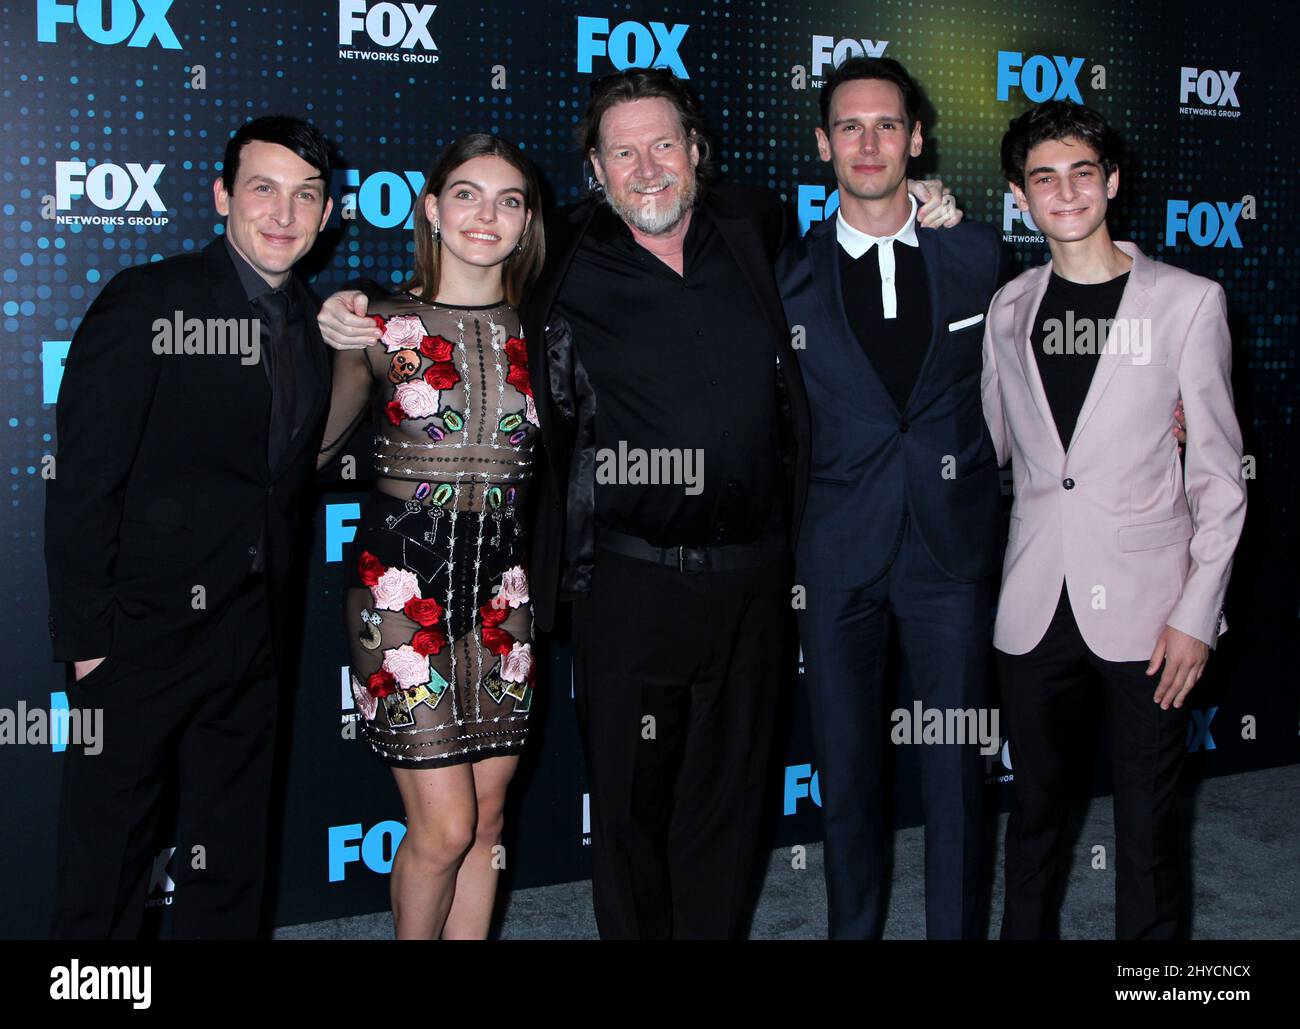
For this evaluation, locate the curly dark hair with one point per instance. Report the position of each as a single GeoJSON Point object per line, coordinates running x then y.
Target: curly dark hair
{"type": "Point", "coordinates": [1057, 119]}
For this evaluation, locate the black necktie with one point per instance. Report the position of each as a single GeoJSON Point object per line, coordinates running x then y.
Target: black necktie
{"type": "Point", "coordinates": [277, 353]}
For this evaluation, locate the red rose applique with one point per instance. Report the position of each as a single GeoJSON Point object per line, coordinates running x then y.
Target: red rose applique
{"type": "Point", "coordinates": [394, 411]}
{"type": "Point", "coordinates": [370, 568]}
{"type": "Point", "coordinates": [429, 641]}
{"type": "Point", "coordinates": [442, 375]}
{"type": "Point", "coordinates": [497, 640]}
{"type": "Point", "coordinates": [435, 348]}
{"type": "Point", "coordinates": [381, 684]}
{"type": "Point", "coordinates": [424, 610]}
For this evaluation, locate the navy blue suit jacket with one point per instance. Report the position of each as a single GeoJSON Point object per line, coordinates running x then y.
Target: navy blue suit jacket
{"type": "Point", "coordinates": [872, 464]}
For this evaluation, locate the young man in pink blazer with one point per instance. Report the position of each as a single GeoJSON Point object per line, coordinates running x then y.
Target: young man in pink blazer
{"type": "Point", "coordinates": [1118, 556]}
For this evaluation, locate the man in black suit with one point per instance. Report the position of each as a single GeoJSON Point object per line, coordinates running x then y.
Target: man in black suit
{"type": "Point", "coordinates": [189, 418]}
{"type": "Point", "coordinates": [903, 512]}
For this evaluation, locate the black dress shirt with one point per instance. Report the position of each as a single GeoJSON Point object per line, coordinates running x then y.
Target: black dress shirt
{"type": "Point", "coordinates": [679, 362]}
{"type": "Point", "coordinates": [1067, 365]}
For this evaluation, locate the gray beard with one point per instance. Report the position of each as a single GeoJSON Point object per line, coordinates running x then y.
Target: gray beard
{"type": "Point", "coordinates": [653, 219]}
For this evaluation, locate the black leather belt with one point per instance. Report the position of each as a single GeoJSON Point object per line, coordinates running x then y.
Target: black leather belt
{"type": "Point", "coordinates": [692, 560]}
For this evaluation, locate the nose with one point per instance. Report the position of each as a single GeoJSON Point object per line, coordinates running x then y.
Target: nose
{"type": "Point", "coordinates": [282, 209]}
{"type": "Point", "coordinates": [870, 141]}
{"type": "Point", "coordinates": [487, 212]}
{"type": "Point", "coordinates": [1068, 188]}
{"type": "Point", "coordinates": [646, 167]}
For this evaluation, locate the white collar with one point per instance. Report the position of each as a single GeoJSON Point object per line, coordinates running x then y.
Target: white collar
{"type": "Point", "coordinates": [856, 242]}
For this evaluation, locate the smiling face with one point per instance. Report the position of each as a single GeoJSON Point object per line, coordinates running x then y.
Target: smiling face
{"type": "Point", "coordinates": [868, 142]}
{"type": "Point", "coordinates": [646, 164]}
{"type": "Point", "coordinates": [1066, 189]}
{"type": "Point", "coordinates": [481, 211]}
{"type": "Point", "coordinates": [276, 209]}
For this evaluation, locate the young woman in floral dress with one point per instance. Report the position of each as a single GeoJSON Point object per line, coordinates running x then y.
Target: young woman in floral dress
{"type": "Point", "coordinates": [437, 608]}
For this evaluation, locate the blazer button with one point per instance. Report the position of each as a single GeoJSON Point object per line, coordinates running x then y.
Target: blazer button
{"type": "Point", "coordinates": [252, 551]}
{"type": "Point", "coordinates": [1068, 483]}
{"type": "Point", "coordinates": [903, 426]}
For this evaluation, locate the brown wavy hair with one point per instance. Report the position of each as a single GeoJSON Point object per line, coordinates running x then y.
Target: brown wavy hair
{"type": "Point", "coordinates": [521, 267]}
{"type": "Point", "coordinates": [641, 84]}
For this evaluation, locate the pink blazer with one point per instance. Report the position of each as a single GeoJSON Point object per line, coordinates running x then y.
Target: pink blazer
{"type": "Point", "coordinates": [1139, 541]}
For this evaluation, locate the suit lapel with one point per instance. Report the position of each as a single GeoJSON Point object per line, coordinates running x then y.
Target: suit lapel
{"type": "Point", "coordinates": [1133, 304]}
{"type": "Point", "coordinates": [823, 252]}
{"type": "Point", "coordinates": [747, 249]}
{"type": "Point", "coordinates": [1023, 322]}
{"type": "Point", "coordinates": [932, 256]}
{"type": "Point", "coordinates": [319, 371]}
{"type": "Point", "coordinates": [231, 301]}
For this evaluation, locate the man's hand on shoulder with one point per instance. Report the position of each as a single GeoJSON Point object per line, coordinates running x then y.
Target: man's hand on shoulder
{"type": "Point", "coordinates": [938, 208]}
{"type": "Point", "coordinates": [344, 324]}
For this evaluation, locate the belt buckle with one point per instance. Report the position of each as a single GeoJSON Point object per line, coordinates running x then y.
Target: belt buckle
{"type": "Point", "coordinates": [701, 559]}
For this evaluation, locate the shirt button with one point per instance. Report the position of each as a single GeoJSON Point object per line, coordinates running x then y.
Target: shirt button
{"type": "Point", "coordinates": [726, 433]}
{"type": "Point", "coordinates": [699, 332]}
{"type": "Point", "coordinates": [1068, 483]}
{"type": "Point", "coordinates": [252, 552]}
{"type": "Point", "coordinates": [903, 426]}
{"type": "Point", "coordinates": [713, 382]}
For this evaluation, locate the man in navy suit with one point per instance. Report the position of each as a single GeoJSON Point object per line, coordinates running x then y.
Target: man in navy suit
{"type": "Point", "coordinates": [901, 527]}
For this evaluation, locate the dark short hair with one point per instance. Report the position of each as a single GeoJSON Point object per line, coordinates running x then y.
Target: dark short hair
{"type": "Point", "coordinates": [302, 137]}
{"type": "Point", "coordinates": [885, 68]}
{"type": "Point", "coordinates": [642, 84]}
{"type": "Point", "coordinates": [1053, 120]}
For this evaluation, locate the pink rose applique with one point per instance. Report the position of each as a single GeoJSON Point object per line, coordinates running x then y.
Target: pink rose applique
{"type": "Point", "coordinates": [405, 332]}
{"type": "Point", "coordinates": [418, 399]}
{"type": "Point", "coordinates": [408, 667]}
{"type": "Point", "coordinates": [394, 588]}
{"type": "Point", "coordinates": [516, 665]}
{"type": "Point", "coordinates": [514, 588]}
{"type": "Point", "coordinates": [367, 704]}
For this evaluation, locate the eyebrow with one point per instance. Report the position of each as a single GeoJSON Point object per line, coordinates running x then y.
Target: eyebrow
{"type": "Point", "coordinates": [273, 182]}
{"type": "Point", "coordinates": [482, 188]}
{"type": "Point", "coordinates": [1076, 164]}
{"type": "Point", "coordinates": [869, 117]}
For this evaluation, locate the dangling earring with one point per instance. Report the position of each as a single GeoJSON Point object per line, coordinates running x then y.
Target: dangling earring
{"type": "Point", "coordinates": [437, 233]}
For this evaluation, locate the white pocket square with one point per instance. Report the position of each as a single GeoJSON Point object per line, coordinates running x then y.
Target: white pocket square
{"type": "Point", "coordinates": [965, 323]}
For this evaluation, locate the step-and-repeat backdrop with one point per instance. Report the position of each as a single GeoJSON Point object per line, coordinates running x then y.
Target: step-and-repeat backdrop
{"type": "Point", "coordinates": [115, 114]}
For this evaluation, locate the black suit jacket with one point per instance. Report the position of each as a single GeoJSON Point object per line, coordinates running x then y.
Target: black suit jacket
{"type": "Point", "coordinates": [161, 480]}
{"type": "Point", "coordinates": [755, 226]}
{"type": "Point", "coordinates": [873, 464]}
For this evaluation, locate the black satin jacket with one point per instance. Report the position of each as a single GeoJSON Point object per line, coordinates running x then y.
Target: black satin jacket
{"type": "Point", "coordinates": [755, 226]}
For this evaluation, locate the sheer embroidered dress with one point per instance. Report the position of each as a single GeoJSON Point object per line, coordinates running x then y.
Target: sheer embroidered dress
{"type": "Point", "coordinates": [437, 608]}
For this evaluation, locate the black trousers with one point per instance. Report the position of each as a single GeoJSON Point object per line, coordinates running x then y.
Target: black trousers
{"type": "Point", "coordinates": [943, 626]}
{"type": "Point", "coordinates": [1049, 700]}
{"type": "Point", "coordinates": [676, 679]}
{"type": "Point", "coordinates": [211, 721]}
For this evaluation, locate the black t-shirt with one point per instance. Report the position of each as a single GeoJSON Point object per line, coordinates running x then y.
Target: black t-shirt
{"type": "Point", "coordinates": [1070, 331]}
{"type": "Point", "coordinates": [678, 363]}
